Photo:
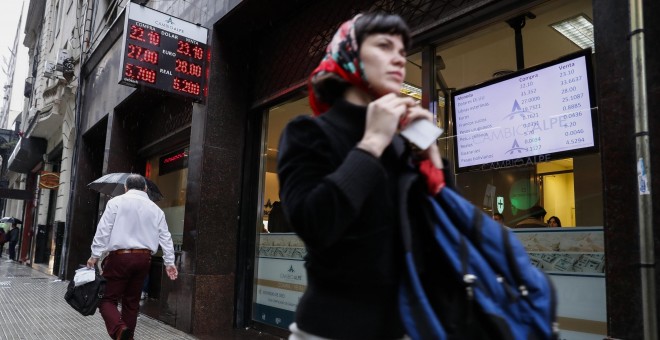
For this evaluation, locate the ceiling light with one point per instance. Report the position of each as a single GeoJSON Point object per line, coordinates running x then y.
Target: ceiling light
{"type": "Point", "coordinates": [578, 29]}
{"type": "Point", "coordinates": [412, 91]}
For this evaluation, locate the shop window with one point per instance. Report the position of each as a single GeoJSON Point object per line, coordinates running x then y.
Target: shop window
{"type": "Point", "coordinates": [568, 188]}
{"type": "Point", "coordinates": [279, 277]}
{"type": "Point", "coordinates": [170, 172]}
{"type": "Point", "coordinates": [513, 191]}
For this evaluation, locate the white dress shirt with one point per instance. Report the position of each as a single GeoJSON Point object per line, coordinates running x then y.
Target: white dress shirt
{"type": "Point", "coordinates": [133, 221]}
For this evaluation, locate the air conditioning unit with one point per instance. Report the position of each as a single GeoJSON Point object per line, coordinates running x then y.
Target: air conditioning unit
{"type": "Point", "coordinates": [62, 55]}
{"type": "Point", "coordinates": [27, 90]}
{"type": "Point", "coordinates": [49, 69]}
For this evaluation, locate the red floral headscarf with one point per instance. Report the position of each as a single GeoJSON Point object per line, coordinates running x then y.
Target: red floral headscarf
{"type": "Point", "coordinates": [342, 57]}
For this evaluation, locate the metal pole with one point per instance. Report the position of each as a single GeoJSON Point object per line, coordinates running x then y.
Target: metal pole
{"type": "Point", "coordinates": [642, 153]}
{"type": "Point", "coordinates": [517, 24]}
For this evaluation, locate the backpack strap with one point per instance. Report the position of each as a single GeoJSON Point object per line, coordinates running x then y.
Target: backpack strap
{"type": "Point", "coordinates": [417, 314]}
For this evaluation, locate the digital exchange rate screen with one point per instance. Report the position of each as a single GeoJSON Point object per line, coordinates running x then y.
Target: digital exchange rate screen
{"type": "Point", "coordinates": [164, 53]}
{"type": "Point", "coordinates": [535, 115]}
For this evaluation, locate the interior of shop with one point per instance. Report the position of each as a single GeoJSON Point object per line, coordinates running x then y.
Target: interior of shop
{"type": "Point", "coordinates": [567, 185]}
{"type": "Point", "coordinates": [567, 188]}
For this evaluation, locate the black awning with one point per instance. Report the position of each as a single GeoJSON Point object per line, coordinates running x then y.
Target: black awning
{"type": "Point", "coordinates": [15, 194]}
{"type": "Point", "coordinates": [27, 154]}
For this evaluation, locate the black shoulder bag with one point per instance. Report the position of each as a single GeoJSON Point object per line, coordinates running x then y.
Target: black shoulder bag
{"type": "Point", "coordinates": [85, 298]}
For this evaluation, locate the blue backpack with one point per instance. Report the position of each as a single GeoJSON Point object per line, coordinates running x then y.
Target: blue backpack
{"type": "Point", "coordinates": [474, 280]}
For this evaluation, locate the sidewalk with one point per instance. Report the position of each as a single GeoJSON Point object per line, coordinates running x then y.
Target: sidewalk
{"type": "Point", "coordinates": [32, 307]}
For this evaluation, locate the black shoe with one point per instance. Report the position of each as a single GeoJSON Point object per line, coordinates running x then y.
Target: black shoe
{"type": "Point", "coordinates": [125, 334]}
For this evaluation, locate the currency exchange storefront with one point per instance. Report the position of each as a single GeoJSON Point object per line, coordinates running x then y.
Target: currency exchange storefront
{"type": "Point", "coordinates": [516, 89]}
{"type": "Point", "coordinates": [241, 267]}
{"type": "Point", "coordinates": [141, 86]}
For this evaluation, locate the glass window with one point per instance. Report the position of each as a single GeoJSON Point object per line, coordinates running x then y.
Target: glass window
{"type": "Point", "coordinates": [170, 173]}
{"type": "Point", "coordinates": [568, 189]}
{"type": "Point", "coordinates": [279, 276]}
{"type": "Point", "coordinates": [554, 185]}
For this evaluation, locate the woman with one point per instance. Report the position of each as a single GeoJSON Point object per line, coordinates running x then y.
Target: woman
{"type": "Point", "coordinates": [554, 222]}
{"type": "Point", "coordinates": [339, 182]}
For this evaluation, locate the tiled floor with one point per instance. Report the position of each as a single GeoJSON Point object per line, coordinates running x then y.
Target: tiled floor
{"type": "Point", "coordinates": [32, 307]}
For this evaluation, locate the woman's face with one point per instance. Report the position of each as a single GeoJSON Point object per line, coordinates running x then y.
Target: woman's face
{"type": "Point", "coordinates": [553, 222]}
{"type": "Point", "coordinates": [384, 59]}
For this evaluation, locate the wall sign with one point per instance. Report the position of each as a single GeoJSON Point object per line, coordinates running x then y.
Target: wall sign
{"type": "Point", "coordinates": [281, 278]}
{"type": "Point", "coordinates": [49, 180]}
{"type": "Point", "coordinates": [163, 52]}
{"type": "Point", "coordinates": [173, 161]}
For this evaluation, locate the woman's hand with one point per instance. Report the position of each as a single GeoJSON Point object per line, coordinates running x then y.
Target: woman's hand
{"type": "Point", "coordinates": [383, 117]}
{"type": "Point", "coordinates": [417, 112]}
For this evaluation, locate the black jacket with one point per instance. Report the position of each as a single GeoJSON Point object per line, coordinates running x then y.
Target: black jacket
{"type": "Point", "coordinates": [12, 235]}
{"type": "Point", "coordinates": [342, 203]}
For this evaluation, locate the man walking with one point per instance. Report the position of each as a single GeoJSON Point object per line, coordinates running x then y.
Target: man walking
{"type": "Point", "coordinates": [131, 228]}
{"type": "Point", "coordinates": [12, 238]}
{"type": "Point", "coordinates": [3, 239]}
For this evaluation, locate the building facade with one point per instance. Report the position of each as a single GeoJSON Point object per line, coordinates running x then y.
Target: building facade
{"type": "Point", "coordinates": [218, 197]}
{"type": "Point", "coordinates": [41, 161]}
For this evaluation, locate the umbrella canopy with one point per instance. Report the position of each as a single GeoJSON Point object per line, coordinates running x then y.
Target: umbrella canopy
{"type": "Point", "coordinates": [113, 185]}
{"type": "Point", "coordinates": [12, 220]}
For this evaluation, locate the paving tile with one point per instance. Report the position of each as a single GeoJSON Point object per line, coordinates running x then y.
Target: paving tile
{"type": "Point", "coordinates": [32, 307]}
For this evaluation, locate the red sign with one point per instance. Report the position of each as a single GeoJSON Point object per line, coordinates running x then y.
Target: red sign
{"type": "Point", "coordinates": [164, 53]}
{"type": "Point", "coordinates": [49, 180]}
{"type": "Point", "coordinates": [173, 161]}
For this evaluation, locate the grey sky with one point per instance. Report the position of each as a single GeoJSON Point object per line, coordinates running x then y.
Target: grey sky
{"type": "Point", "coordinates": [10, 12]}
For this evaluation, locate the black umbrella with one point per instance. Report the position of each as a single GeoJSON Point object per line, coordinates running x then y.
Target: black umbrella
{"type": "Point", "coordinates": [12, 220]}
{"type": "Point", "coordinates": [113, 185]}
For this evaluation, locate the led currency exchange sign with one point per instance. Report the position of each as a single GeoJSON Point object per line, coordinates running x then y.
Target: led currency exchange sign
{"type": "Point", "coordinates": [164, 53]}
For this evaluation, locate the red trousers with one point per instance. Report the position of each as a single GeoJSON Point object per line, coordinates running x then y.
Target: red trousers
{"type": "Point", "coordinates": [125, 274]}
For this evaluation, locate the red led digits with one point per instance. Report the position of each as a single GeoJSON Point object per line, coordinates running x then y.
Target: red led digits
{"type": "Point", "coordinates": [183, 48]}
{"type": "Point", "coordinates": [137, 33]}
{"type": "Point", "coordinates": [148, 54]}
{"type": "Point", "coordinates": [195, 70]}
{"type": "Point", "coordinates": [134, 52]}
{"type": "Point", "coordinates": [140, 73]}
{"type": "Point", "coordinates": [154, 38]}
{"type": "Point", "coordinates": [198, 52]}
{"type": "Point", "coordinates": [181, 66]}
{"type": "Point", "coordinates": [194, 88]}
{"type": "Point", "coordinates": [142, 54]}
{"type": "Point", "coordinates": [146, 74]}
{"type": "Point", "coordinates": [151, 57]}
{"type": "Point", "coordinates": [186, 86]}
{"type": "Point", "coordinates": [128, 71]}
{"type": "Point", "coordinates": [188, 68]}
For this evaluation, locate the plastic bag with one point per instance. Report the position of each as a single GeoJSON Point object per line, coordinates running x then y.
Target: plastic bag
{"type": "Point", "coordinates": [84, 275]}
